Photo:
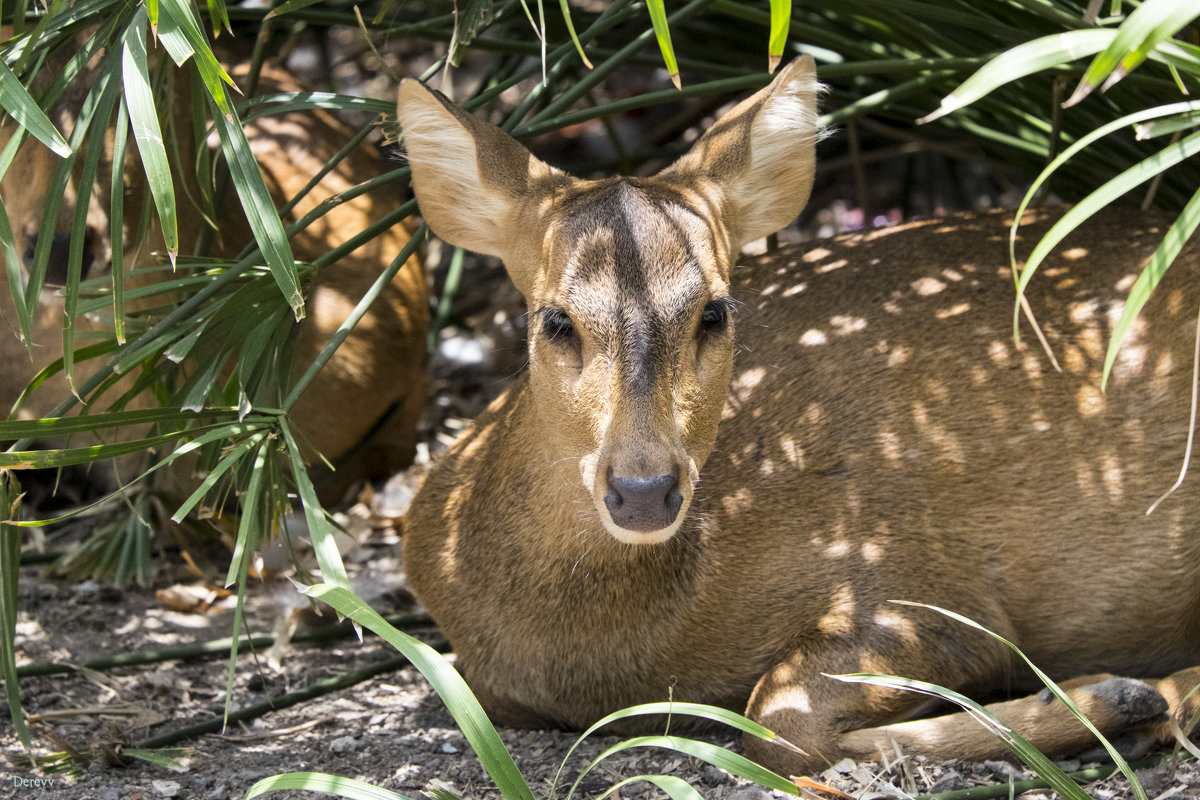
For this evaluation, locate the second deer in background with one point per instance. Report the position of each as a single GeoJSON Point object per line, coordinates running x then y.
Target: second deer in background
{"type": "Point", "coordinates": [361, 412]}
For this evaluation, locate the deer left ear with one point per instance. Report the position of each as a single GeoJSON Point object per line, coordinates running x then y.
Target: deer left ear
{"type": "Point", "coordinates": [760, 156]}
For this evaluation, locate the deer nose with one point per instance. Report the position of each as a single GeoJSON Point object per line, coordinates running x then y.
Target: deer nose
{"type": "Point", "coordinates": [643, 504]}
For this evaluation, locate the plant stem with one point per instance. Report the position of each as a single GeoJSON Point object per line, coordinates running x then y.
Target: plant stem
{"type": "Point", "coordinates": [327, 686]}
{"type": "Point", "coordinates": [206, 650]}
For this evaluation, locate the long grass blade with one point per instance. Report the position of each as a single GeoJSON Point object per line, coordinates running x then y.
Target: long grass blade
{"type": "Point", "coordinates": [69, 456]}
{"type": "Point", "coordinates": [697, 710]}
{"type": "Point", "coordinates": [671, 709]}
{"type": "Point", "coordinates": [662, 32]}
{"type": "Point", "coordinates": [289, 7]}
{"type": "Point", "coordinates": [719, 757]}
{"type": "Point", "coordinates": [329, 559]}
{"type": "Point", "coordinates": [1164, 255]}
{"type": "Point", "coordinates": [64, 426]}
{"type": "Point", "coordinates": [675, 788]}
{"type": "Point", "coordinates": [566, 12]}
{"type": "Point", "coordinates": [1051, 685]}
{"type": "Point", "coordinates": [8, 245]}
{"type": "Point", "coordinates": [55, 193]}
{"type": "Point", "coordinates": [61, 426]}
{"type": "Point", "coordinates": [1134, 119]}
{"type": "Point", "coordinates": [320, 782]}
{"type": "Point", "coordinates": [1108, 192]}
{"type": "Point", "coordinates": [1152, 22]}
{"type": "Point", "coordinates": [1187, 460]}
{"type": "Point", "coordinates": [1161, 127]}
{"type": "Point", "coordinates": [1020, 61]}
{"type": "Point", "coordinates": [87, 179]}
{"type": "Point", "coordinates": [250, 534]}
{"type": "Point", "coordinates": [116, 220]}
{"type": "Point", "coordinates": [1020, 747]}
{"type": "Point", "coordinates": [10, 561]}
{"type": "Point", "coordinates": [260, 210]}
{"type": "Point", "coordinates": [449, 685]}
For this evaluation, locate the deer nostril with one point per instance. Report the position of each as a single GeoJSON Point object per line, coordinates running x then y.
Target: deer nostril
{"type": "Point", "coordinates": [643, 504]}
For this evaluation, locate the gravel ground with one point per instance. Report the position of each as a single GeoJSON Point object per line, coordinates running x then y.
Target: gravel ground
{"type": "Point", "coordinates": [390, 729]}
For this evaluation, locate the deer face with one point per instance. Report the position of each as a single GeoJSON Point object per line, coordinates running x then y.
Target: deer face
{"type": "Point", "coordinates": [627, 281]}
{"type": "Point", "coordinates": [631, 345]}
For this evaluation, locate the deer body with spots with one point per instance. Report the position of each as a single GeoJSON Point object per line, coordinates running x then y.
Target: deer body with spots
{"type": "Point", "coordinates": [713, 479]}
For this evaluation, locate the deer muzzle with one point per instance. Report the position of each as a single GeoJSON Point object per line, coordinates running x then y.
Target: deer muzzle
{"type": "Point", "coordinates": [643, 504]}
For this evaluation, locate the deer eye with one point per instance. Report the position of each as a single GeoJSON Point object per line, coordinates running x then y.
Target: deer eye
{"type": "Point", "coordinates": [715, 315]}
{"type": "Point", "coordinates": [557, 326]}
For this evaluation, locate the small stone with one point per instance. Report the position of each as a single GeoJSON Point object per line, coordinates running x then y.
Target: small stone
{"type": "Point", "coordinates": [343, 745]}
{"type": "Point", "coordinates": [751, 793]}
{"type": "Point", "coordinates": [951, 781]}
{"type": "Point", "coordinates": [843, 767]}
{"type": "Point", "coordinates": [863, 776]}
{"type": "Point", "coordinates": [1004, 770]}
{"type": "Point", "coordinates": [449, 748]}
{"type": "Point", "coordinates": [166, 788]}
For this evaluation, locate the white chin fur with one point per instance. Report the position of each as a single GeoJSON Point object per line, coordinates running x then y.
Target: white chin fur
{"type": "Point", "coordinates": [641, 537]}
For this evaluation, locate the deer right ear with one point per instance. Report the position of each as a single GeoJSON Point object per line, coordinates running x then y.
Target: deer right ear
{"type": "Point", "coordinates": [760, 155]}
{"type": "Point", "coordinates": [472, 179]}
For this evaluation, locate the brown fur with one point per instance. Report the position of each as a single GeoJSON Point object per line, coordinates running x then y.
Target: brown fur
{"type": "Point", "coordinates": [376, 378]}
{"type": "Point", "coordinates": [870, 433]}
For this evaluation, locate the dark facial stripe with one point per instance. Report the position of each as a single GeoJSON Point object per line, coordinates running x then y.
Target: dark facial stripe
{"type": "Point", "coordinates": [635, 274]}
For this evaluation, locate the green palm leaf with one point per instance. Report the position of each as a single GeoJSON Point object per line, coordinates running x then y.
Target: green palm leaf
{"type": "Point", "coordinates": [1151, 23]}
{"type": "Point", "coordinates": [143, 115]}
{"type": "Point", "coordinates": [28, 114]}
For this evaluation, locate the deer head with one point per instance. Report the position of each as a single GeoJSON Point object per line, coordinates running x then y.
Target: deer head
{"type": "Point", "coordinates": [631, 334]}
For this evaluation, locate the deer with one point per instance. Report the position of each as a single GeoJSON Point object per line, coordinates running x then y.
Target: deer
{"type": "Point", "coordinates": [716, 474]}
{"type": "Point", "coordinates": [381, 397]}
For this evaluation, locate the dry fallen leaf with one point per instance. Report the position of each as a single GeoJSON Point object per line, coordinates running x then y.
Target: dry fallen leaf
{"type": "Point", "coordinates": [803, 783]}
{"type": "Point", "coordinates": [190, 599]}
